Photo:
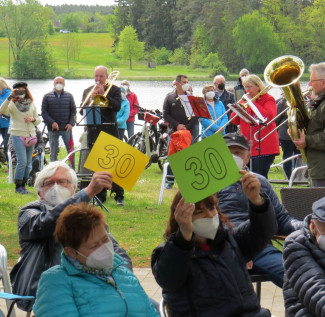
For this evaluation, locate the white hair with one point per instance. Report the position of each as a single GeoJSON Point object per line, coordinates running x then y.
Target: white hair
{"type": "Point", "coordinates": [49, 171]}
{"type": "Point", "coordinates": [219, 77]}
{"type": "Point", "coordinates": [319, 69]}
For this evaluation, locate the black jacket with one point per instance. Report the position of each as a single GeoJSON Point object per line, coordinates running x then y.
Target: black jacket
{"type": "Point", "coordinates": [214, 283]}
{"type": "Point", "coordinates": [174, 114]}
{"type": "Point", "coordinates": [107, 115]}
{"type": "Point", "coordinates": [304, 274]}
{"type": "Point", "coordinates": [60, 110]}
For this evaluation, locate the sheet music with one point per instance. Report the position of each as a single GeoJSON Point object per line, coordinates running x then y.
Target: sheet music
{"type": "Point", "coordinates": [241, 112]}
{"type": "Point", "coordinates": [254, 108]}
{"type": "Point", "coordinates": [187, 106]}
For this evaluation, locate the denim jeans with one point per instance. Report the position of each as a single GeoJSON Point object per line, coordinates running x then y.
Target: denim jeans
{"type": "Point", "coordinates": [54, 144]}
{"type": "Point", "coordinates": [289, 149]}
{"type": "Point", "coordinates": [130, 128]}
{"type": "Point", "coordinates": [269, 262]}
{"type": "Point", "coordinates": [5, 138]}
{"type": "Point", "coordinates": [24, 158]}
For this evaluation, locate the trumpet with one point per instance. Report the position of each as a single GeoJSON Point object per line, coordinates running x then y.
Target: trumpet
{"type": "Point", "coordinates": [100, 100]}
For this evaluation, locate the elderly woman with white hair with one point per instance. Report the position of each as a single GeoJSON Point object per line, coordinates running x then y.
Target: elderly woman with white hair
{"type": "Point", "coordinates": [55, 185]}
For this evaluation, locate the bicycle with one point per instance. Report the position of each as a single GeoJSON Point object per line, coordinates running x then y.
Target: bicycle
{"type": "Point", "coordinates": [151, 141]}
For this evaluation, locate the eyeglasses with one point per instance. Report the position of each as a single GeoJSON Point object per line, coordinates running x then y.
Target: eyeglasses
{"type": "Point", "coordinates": [311, 80]}
{"type": "Point", "coordinates": [61, 182]}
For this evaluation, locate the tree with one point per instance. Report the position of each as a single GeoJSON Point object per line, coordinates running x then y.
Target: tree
{"type": "Point", "coordinates": [23, 23]}
{"type": "Point", "coordinates": [163, 56]}
{"type": "Point", "coordinates": [180, 57]}
{"type": "Point", "coordinates": [215, 65]}
{"type": "Point", "coordinates": [71, 47]}
{"type": "Point", "coordinates": [35, 62]}
{"type": "Point", "coordinates": [71, 22]}
{"type": "Point", "coordinates": [129, 47]}
{"type": "Point", "coordinates": [256, 41]}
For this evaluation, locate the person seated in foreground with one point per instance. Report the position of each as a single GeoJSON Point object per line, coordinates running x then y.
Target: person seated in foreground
{"type": "Point", "coordinates": [234, 203]}
{"type": "Point", "coordinates": [91, 280]}
{"type": "Point", "coordinates": [304, 266]}
{"type": "Point", "coordinates": [55, 185]}
{"type": "Point", "coordinates": [201, 266]}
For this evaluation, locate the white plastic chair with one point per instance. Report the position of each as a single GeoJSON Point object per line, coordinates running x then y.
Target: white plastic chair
{"type": "Point", "coordinates": [163, 182]}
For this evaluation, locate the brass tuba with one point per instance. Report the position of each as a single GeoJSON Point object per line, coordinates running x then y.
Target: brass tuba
{"type": "Point", "coordinates": [284, 72]}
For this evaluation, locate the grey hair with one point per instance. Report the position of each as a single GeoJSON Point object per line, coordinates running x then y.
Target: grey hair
{"type": "Point", "coordinates": [219, 77]}
{"type": "Point", "coordinates": [57, 77]}
{"type": "Point", "coordinates": [125, 83]}
{"type": "Point", "coordinates": [244, 71]}
{"type": "Point", "coordinates": [319, 69]}
{"type": "Point", "coordinates": [49, 171]}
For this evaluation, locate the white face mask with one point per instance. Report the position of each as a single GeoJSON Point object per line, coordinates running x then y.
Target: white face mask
{"type": "Point", "coordinates": [58, 87]}
{"type": "Point", "coordinates": [123, 95]}
{"type": "Point", "coordinates": [206, 227]}
{"type": "Point", "coordinates": [239, 161]}
{"type": "Point", "coordinates": [210, 94]}
{"type": "Point", "coordinates": [185, 87]}
{"type": "Point", "coordinates": [22, 96]}
{"type": "Point", "coordinates": [101, 258]}
{"type": "Point", "coordinates": [57, 194]}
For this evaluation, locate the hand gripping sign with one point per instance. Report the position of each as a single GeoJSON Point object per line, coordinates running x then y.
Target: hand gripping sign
{"type": "Point", "coordinates": [204, 168]}
{"type": "Point", "coordinates": [124, 162]}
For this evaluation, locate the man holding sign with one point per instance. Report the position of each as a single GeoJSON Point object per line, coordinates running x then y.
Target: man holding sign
{"type": "Point", "coordinates": [234, 203]}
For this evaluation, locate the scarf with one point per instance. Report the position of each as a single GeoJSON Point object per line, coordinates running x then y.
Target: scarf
{"type": "Point", "coordinates": [102, 274]}
{"type": "Point", "coordinates": [317, 101]}
{"type": "Point", "coordinates": [23, 105]}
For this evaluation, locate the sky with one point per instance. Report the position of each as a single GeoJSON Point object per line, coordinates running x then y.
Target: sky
{"type": "Point", "coordinates": [78, 2]}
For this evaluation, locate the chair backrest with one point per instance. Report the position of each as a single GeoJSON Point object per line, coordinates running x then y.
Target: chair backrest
{"type": "Point", "coordinates": [298, 201]}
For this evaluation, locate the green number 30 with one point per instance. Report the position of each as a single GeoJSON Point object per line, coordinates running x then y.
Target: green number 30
{"type": "Point", "coordinates": [212, 165]}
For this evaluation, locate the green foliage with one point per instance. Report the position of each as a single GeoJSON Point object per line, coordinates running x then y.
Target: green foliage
{"type": "Point", "coordinates": [180, 57]}
{"type": "Point", "coordinates": [71, 22]}
{"type": "Point", "coordinates": [163, 56]}
{"type": "Point", "coordinates": [35, 62]}
{"type": "Point", "coordinates": [265, 45]}
{"type": "Point", "coordinates": [129, 47]}
{"type": "Point", "coordinates": [50, 28]}
{"type": "Point", "coordinates": [23, 23]}
{"type": "Point", "coordinates": [215, 65]}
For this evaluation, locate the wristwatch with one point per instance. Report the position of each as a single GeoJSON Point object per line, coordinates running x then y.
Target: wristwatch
{"type": "Point", "coordinates": [9, 98]}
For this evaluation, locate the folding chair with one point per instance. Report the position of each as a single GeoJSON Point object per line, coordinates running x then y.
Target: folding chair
{"type": "Point", "coordinates": [298, 201]}
{"type": "Point", "coordinates": [10, 298]}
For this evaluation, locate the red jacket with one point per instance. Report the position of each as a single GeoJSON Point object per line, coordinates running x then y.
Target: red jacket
{"type": "Point", "coordinates": [267, 107]}
{"type": "Point", "coordinates": [134, 106]}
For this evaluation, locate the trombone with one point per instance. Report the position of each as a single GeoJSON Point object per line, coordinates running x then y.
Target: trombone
{"type": "Point", "coordinates": [100, 100]}
{"type": "Point", "coordinates": [304, 94]}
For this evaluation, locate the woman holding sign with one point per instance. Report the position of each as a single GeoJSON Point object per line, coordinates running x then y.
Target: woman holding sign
{"type": "Point", "coordinates": [201, 266]}
{"type": "Point", "coordinates": [263, 150]}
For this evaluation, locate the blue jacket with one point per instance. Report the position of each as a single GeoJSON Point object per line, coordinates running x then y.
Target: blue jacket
{"type": "Point", "coordinates": [65, 291]}
{"type": "Point", "coordinates": [60, 110]}
{"type": "Point", "coordinates": [234, 203]}
{"type": "Point", "coordinates": [4, 120]}
{"type": "Point", "coordinates": [215, 112]}
{"type": "Point", "coordinates": [123, 114]}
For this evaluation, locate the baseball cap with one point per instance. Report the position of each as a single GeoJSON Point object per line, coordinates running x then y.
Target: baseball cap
{"type": "Point", "coordinates": [319, 210]}
{"type": "Point", "coordinates": [236, 139]}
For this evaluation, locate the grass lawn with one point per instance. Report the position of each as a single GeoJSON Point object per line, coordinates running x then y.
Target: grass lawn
{"type": "Point", "coordinates": [96, 49]}
{"type": "Point", "coordinates": [138, 226]}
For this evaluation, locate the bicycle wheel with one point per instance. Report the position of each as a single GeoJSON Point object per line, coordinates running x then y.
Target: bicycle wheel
{"type": "Point", "coordinates": [138, 142]}
{"type": "Point", "coordinates": [162, 152]}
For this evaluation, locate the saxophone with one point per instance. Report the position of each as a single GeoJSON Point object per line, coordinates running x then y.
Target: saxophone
{"type": "Point", "coordinates": [284, 72]}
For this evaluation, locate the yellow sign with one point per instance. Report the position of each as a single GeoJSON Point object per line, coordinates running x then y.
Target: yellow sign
{"type": "Point", "coordinates": [111, 155]}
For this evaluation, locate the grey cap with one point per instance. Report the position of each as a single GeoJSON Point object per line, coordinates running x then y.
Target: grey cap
{"type": "Point", "coordinates": [236, 139]}
{"type": "Point", "coordinates": [319, 210]}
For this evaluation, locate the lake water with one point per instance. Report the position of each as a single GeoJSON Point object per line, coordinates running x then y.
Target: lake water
{"type": "Point", "coordinates": [151, 94]}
